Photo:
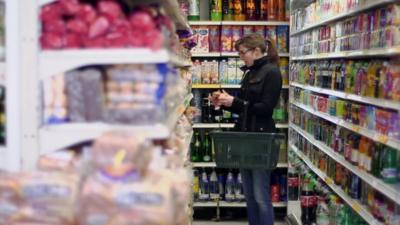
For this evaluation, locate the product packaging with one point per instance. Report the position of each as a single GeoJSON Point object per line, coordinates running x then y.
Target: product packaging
{"type": "Point", "coordinates": [215, 38]}
{"type": "Point", "coordinates": [237, 33]}
{"type": "Point", "coordinates": [226, 39]}
{"type": "Point", "coordinates": [232, 70]}
{"type": "Point", "coordinates": [202, 37]}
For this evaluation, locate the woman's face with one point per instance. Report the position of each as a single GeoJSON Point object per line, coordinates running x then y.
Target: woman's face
{"type": "Point", "coordinates": [248, 55]}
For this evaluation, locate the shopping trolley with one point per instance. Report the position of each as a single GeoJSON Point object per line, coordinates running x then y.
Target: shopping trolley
{"type": "Point", "coordinates": [247, 150]}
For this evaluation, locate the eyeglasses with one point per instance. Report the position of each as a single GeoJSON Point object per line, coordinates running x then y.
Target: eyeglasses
{"type": "Point", "coordinates": [244, 52]}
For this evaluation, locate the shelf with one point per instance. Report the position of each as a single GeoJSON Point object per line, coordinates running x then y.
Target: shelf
{"type": "Point", "coordinates": [56, 137]}
{"type": "Point", "coordinates": [206, 54]}
{"type": "Point", "coordinates": [373, 101]}
{"type": "Point", "coordinates": [354, 204]}
{"type": "Point", "coordinates": [389, 190]}
{"type": "Point", "coordinates": [384, 139]}
{"type": "Point", "coordinates": [56, 62]}
{"type": "Point", "coordinates": [285, 86]}
{"type": "Point", "coordinates": [282, 125]}
{"type": "Point", "coordinates": [226, 86]}
{"type": "Point", "coordinates": [213, 164]}
{"type": "Point", "coordinates": [343, 15]}
{"type": "Point", "coordinates": [233, 204]}
{"type": "Point", "coordinates": [384, 52]}
{"type": "Point", "coordinates": [225, 54]}
{"type": "Point", "coordinates": [230, 86]}
{"type": "Point", "coordinates": [240, 23]}
{"type": "Point", "coordinates": [213, 125]}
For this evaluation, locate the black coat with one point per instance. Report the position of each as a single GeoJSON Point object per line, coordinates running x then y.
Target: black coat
{"type": "Point", "coordinates": [259, 93]}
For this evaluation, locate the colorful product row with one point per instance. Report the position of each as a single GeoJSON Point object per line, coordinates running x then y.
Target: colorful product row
{"type": "Point", "coordinates": [222, 39]}
{"type": "Point", "coordinates": [382, 121]}
{"type": "Point", "coordinates": [375, 79]}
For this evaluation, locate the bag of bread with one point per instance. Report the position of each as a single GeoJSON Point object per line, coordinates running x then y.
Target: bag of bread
{"type": "Point", "coordinates": [49, 197]}
{"type": "Point", "coordinates": [126, 200]}
{"type": "Point", "coordinates": [121, 148]}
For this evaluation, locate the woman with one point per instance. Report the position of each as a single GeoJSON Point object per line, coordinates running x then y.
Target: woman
{"type": "Point", "coordinates": [259, 94]}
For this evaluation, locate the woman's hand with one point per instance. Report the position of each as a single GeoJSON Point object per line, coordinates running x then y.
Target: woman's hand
{"type": "Point", "coordinates": [214, 98]}
{"type": "Point", "coordinates": [225, 99]}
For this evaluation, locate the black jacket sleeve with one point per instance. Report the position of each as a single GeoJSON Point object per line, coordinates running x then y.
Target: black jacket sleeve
{"type": "Point", "coordinates": [270, 95]}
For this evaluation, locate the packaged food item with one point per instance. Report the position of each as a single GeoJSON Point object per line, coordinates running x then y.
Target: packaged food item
{"type": "Point", "coordinates": [281, 10]}
{"type": "Point", "coordinates": [214, 38]}
{"type": "Point", "coordinates": [10, 198]}
{"type": "Point", "coordinates": [263, 10]}
{"type": "Point", "coordinates": [382, 121]}
{"type": "Point", "coordinates": [247, 29]}
{"type": "Point", "coordinates": [216, 10]}
{"type": "Point", "coordinates": [226, 39]}
{"type": "Point", "coordinates": [394, 126]}
{"type": "Point", "coordinates": [202, 37]}
{"type": "Point", "coordinates": [66, 161]}
{"type": "Point", "coordinates": [239, 72]}
{"type": "Point", "coordinates": [237, 33]}
{"type": "Point", "coordinates": [251, 10]}
{"type": "Point", "coordinates": [55, 102]}
{"type": "Point", "coordinates": [340, 111]}
{"type": "Point", "coordinates": [282, 33]}
{"type": "Point", "coordinates": [394, 70]}
{"type": "Point", "coordinates": [214, 72]}
{"type": "Point", "coordinates": [205, 72]}
{"type": "Point", "coordinates": [223, 72]}
{"type": "Point", "coordinates": [393, 16]}
{"type": "Point", "coordinates": [196, 72]}
{"type": "Point", "coordinates": [371, 117]}
{"type": "Point", "coordinates": [270, 32]}
{"type": "Point", "coordinates": [284, 68]}
{"type": "Point", "coordinates": [363, 116]}
{"type": "Point", "coordinates": [259, 30]}
{"type": "Point", "coordinates": [273, 9]}
{"type": "Point", "coordinates": [232, 70]}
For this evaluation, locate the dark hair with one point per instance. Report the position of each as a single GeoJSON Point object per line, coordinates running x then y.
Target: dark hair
{"type": "Point", "coordinates": [252, 41]}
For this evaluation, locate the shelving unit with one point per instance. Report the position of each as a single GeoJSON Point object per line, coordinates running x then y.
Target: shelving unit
{"type": "Point", "coordinates": [228, 125]}
{"type": "Point", "coordinates": [384, 139]}
{"type": "Point", "coordinates": [225, 54]}
{"type": "Point", "coordinates": [226, 86]}
{"type": "Point", "coordinates": [232, 204]}
{"type": "Point", "coordinates": [386, 189]}
{"type": "Point", "coordinates": [372, 101]}
{"type": "Point", "coordinates": [354, 204]}
{"type": "Point", "coordinates": [392, 192]}
{"type": "Point", "coordinates": [239, 23]}
{"type": "Point", "coordinates": [213, 164]}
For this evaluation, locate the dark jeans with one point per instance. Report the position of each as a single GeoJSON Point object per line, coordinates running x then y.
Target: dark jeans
{"type": "Point", "coordinates": [256, 189]}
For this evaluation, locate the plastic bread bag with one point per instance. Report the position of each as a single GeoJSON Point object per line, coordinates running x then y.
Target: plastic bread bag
{"type": "Point", "coordinates": [121, 148]}
{"type": "Point", "coordinates": [10, 198]}
{"type": "Point", "coordinates": [49, 197]}
{"type": "Point", "coordinates": [64, 161]}
{"type": "Point", "coordinates": [130, 199]}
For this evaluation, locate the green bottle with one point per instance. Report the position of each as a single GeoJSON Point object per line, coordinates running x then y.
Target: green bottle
{"type": "Point", "coordinates": [227, 9]}
{"type": "Point", "coordinates": [207, 148]}
{"type": "Point", "coordinates": [216, 10]}
{"type": "Point", "coordinates": [376, 161]}
{"type": "Point", "coordinates": [195, 154]}
{"type": "Point", "coordinates": [389, 169]}
{"type": "Point", "coordinates": [194, 10]}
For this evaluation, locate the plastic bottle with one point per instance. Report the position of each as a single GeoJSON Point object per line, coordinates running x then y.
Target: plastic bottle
{"type": "Point", "coordinates": [204, 194]}
{"type": "Point", "coordinates": [322, 212]}
{"type": "Point", "coordinates": [308, 202]}
{"type": "Point", "coordinates": [227, 10]}
{"type": "Point", "coordinates": [263, 10]}
{"type": "Point", "coordinates": [251, 10]}
{"type": "Point", "coordinates": [221, 186]}
{"type": "Point", "coordinates": [194, 10]}
{"type": "Point", "coordinates": [238, 10]}
{"type": "Point", "coordinates": [389, 170]}
{"type": "Point", "coordinates": [229, 188]}
{"type": "Point", "coordinates": [293, 184]}
{"type": "Point", "coordinates": [196, 184]}
{"type": "Point", "coordinates": [214, 186]}
{"type": "Point", "coordinates": [216, 10]}
{"type": "Point", "coordinates": [195, 155]}
{"type": "Point", "coordinates": [273, 8]}
{"type": "Point", "coordinates": [239, 194]}
{"type": "Point", "coordinates": [207, 148]}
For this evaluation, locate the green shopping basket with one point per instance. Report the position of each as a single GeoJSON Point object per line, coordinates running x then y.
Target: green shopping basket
{"type": "Point", "coordinates": [247, 150]}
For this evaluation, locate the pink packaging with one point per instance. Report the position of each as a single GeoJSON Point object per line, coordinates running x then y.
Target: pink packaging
{"type": "Point", "coordinates": [394, 126]}
{"type": "Point", "coordinates": [247, 30]}
{"type": "Point", "coordinates": [259, 30]}
{"type": "Point", "coordinates": [214, 38]}
{"type": "Point", "coordinates": [393, 14]}
{"type": "Point", "coordinates": [237, 33]}
{"type": "Point", "coordinates": [363, 116]}
{"type": "Point", "coordinates": [201, 34]}
{"type": "Point", "coordinates": [382, 120]}
{"type": "Point", "coordinates": [226, 39]}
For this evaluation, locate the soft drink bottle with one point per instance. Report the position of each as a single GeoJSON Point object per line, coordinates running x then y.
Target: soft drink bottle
{"type": "Point", "coordinates": [308, 202]}
{"type": "Point", "coordinates": [214, 186]}
{"type": "Point", "coordinates": [204, 187]}
{"type": "Point", "coordinates": [293, 184]}
{"type": "Point", "coordinates": [229, 188]}
{"type": "Point", "coordinates": [322, 212]}
{"type": "Point", "coordinates": [239, 194]}
{"type": "Point", "coordinates": [221, 186]}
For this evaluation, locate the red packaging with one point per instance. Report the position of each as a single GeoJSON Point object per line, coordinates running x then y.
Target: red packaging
{"type": "Point", "coordinates": [247, 30]}
{"type": "Point", "coordinates": [99, 27]}
{"type": "Point", "coordinates": [56, 26]}
{"type": "Point", "coordinates": [117, 40]}
{"type": "Point", "coordinates": [142, 20]}
{"type": "Point", "coordinates": [70, 7]}
{"type": "Point", "coordinates": [73, 40]}
{"type": "Point", "coordinates": [134, 41]}
{"type": "Point", "coordinates": [275, 193]}
{"type": "Point", "coordinates": [112, 10]}
{"type": "Point", "coordinates": [382, 120]}
{"type": "Point", "coordinates": [121, 25]}
{"type": "Point", "coordinates": [87, 13]}
{"type": "Point", "coordinates": [226, 38]}
{"type": "Point", "coordinates": [237, 33]}
{"type": "Point", "coordinates": [273, 9]}
{"type": "Point", "coordinates": [214, 38]}
{"type": "Point", "coordinates": [100, 42]}
{"type": "Point", "coordinates": [51, 12]}
{"type": "Point", "coordinates": [77, 26]}
{"type": "Point", "coordinates": [259, 30]}
{"type": "Point", "coordinates": [51, 41]}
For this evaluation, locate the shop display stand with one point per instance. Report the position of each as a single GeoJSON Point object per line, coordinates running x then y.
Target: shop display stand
{"type": "Point", "coordinates": [390, 191]}
{"type": "Point", "coordinates": [204, 21]}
